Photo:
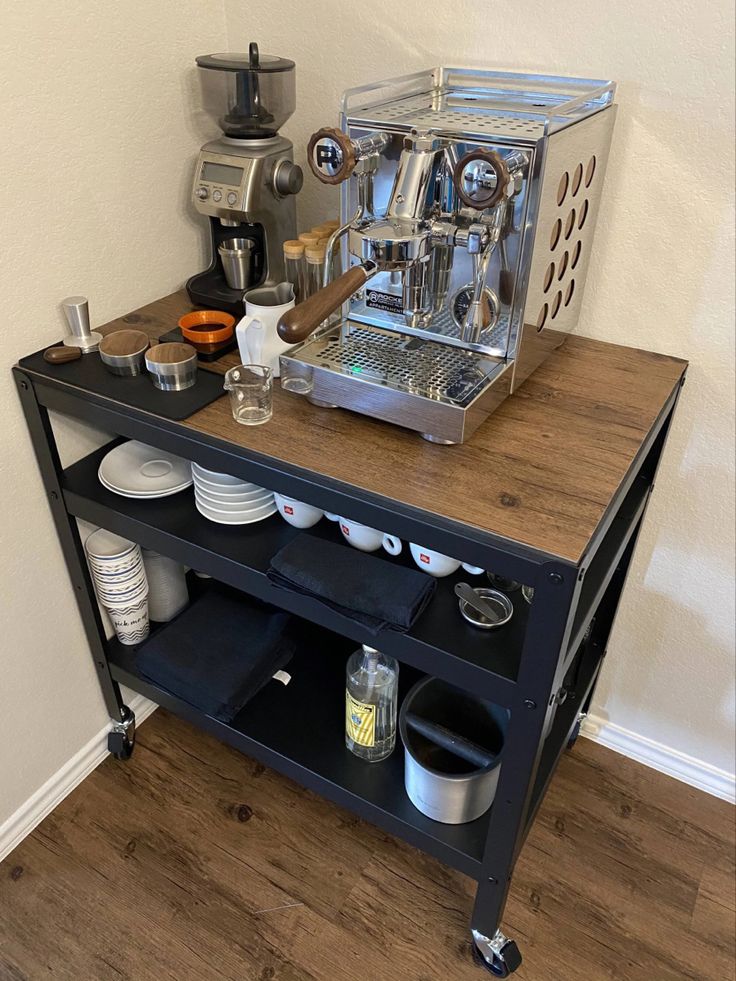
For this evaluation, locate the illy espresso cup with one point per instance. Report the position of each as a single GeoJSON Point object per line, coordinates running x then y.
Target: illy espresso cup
{"type": "Point", "coordinates": [365, 538]}
{"type": "Point", "coordinates": [439, 565]}
{"type": "Point", "coordinates": [297, 513]}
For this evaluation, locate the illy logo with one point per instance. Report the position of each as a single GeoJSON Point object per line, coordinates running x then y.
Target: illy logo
{"type": "Point", "coordinates": [288, 509]}
{"type": "Point", "coordinates": [424, 558]}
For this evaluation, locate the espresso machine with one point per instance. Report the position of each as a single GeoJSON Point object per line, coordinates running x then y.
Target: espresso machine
{"type": "Point", "coordinates": [468, 205]}
{"type": "Point", "coordinates": [245, 182]}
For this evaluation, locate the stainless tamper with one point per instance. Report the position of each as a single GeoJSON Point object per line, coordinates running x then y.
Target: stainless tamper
{"type": "Point", "coordinates": [76, 311]}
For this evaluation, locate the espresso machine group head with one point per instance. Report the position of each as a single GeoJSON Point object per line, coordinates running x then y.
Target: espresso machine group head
{"type": "Point", "coordinates": [469, 200]}
{"type": "Point", "coordinates": [245, 182]}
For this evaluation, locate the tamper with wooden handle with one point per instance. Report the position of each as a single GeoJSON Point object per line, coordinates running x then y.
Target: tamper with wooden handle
{"type": "Point", "coordinates": [76, 311]}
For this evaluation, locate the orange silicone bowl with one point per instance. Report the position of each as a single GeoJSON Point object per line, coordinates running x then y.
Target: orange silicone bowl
{"type": "Point", "coordinates": [194, 326]}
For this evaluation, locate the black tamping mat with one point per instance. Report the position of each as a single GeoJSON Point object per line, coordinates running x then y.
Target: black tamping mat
{"type": "Point", "coordinates": [89, 374]}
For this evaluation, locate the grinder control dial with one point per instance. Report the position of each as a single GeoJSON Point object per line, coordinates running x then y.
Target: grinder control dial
{"type": "Point", "coordinates": [331, 155]}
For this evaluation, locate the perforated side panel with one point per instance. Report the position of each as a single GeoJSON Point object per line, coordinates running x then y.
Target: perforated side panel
{"type": "Point", "coordinates": [572, 182]}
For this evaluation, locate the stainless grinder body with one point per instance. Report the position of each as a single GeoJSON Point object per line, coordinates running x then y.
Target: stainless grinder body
{"type": "Point", "coordinates": [399, 351]}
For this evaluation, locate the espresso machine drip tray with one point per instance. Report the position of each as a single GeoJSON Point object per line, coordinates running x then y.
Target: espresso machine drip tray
{"type": "Point", "coordinates": [433, 388]}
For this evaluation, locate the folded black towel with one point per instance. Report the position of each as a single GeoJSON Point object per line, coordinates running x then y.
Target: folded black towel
{"type": "Point", "coordinates": [219, 652]}
{"type": "Point", "coordinates": [360, 586]}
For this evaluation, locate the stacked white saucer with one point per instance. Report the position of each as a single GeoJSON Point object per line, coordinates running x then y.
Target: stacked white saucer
{"type": "Point", "coordinates": [229, 500]}
{"type": "Point", "coordinates": [134, 469]}
{"type": "Point", "coordinates": [120, 582]}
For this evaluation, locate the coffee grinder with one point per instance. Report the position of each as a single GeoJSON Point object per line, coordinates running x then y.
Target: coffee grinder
{"type": "Point", "coordinates": [246, 180]}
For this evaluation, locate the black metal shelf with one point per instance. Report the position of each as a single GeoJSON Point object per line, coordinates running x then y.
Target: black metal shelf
{"type": "Point", "coordinates": [606, 559]}
{"type": "Point", "coordinates": [298, 729]}
{"type": "Point", "coordinates": [566, 718]}
{"type": "Point", "coordinates": [440, 643]}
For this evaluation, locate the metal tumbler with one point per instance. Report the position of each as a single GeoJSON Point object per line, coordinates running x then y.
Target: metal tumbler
{"type": "Point", "coordinates": [235, 256]}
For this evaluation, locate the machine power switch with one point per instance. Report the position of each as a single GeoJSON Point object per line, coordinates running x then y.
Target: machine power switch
{"type": "Point", "coordinates": [202, 193]}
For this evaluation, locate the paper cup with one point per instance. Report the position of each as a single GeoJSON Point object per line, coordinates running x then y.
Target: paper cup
{"type": "Point", "coordinates": [130, 622]}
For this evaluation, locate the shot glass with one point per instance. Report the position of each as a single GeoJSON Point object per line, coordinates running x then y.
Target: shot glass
{"type": "Point", "coordinates": [251, 393]}
{"type": "Point", "coordinates": [297, 377]}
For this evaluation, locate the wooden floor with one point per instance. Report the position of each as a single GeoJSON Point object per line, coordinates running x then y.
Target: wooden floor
{"type": "Point", "coordinates": [193, 862]}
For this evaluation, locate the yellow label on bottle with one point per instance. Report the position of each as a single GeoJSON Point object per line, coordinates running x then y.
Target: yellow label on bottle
{"type": "Point", "coordinates": [360, 721]}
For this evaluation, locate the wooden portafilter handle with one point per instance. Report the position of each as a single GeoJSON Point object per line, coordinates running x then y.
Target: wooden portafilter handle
{"type": "Point", "coordinates": [299, 322]}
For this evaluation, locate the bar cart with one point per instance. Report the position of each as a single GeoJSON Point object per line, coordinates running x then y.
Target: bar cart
{"type": "Point", "coordinates": [551, 492]}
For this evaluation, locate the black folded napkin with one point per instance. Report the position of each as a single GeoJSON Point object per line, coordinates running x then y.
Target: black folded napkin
{"type": "Point", "coordinates": [218, 653]}
{"type": "Point", "coordinates": [360, 586]}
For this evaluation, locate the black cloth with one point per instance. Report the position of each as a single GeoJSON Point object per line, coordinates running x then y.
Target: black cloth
{"type": "Point", "coordinates": [218, 653]}
{"type": "Point", "coordinates": [360, 586]}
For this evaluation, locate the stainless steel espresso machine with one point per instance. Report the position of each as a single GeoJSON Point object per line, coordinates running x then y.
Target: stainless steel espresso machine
{"type": "Point", "coordinates": [245, 181]}
{"type": "Point", "coordinates": [469, 202]}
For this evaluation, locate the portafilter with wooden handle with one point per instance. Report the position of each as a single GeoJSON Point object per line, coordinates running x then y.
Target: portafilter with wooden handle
{"type": "Point", "coordinates": [299, 322]}
{"type": "Point", "coordinates": [383, 244]}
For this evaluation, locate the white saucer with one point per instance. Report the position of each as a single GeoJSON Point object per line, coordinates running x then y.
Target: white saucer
{"type": "Point", "coordinates": [142, 494]}
{"type": "Point", "coordinates": [248, 518]}
{"type": "Point", "coordinates": [134, 469]}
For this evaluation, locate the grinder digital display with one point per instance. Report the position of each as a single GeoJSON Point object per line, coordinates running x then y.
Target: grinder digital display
{"type": "Point", "coordinates": [221, 174]}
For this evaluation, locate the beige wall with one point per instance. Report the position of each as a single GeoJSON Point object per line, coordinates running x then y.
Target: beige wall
{"type": "Point", "coordinates": [661, 278]}
{"type": "Point", "coordinates": [97, 147]}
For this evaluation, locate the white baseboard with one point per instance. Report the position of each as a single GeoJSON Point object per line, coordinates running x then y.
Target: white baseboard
{"type": "Point", "coordinates": [56, 788]}
{"type": "Point", "coordinates": [675, 764]}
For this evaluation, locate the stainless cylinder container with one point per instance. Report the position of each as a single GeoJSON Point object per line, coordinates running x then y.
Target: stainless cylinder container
{"type": "Point", "coordinates": [236, 257]}
{"type": "Point", "coordinates": [173, 367]}
{"type": "Point", "coordinates": [442, 785]}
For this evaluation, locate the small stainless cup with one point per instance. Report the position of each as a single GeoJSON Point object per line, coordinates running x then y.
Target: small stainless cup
{"type": "Point", "coordinates": [173, 367]}
{"type": "Point", "coordinates": [499, 601]}
{"type": "Point", "coordinates": [235, 256]}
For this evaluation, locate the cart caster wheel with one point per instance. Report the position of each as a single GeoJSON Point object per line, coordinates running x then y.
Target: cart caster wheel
{"type": "Point", "coordinates": [576, 731]}
{"type": "Point", "coordinates": [499, 956]}
{"type": "Point", "coordinates": [121, 741]}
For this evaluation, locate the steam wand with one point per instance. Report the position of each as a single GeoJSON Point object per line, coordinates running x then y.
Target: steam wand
{"type": "Point", "coordinates": [481, 242]}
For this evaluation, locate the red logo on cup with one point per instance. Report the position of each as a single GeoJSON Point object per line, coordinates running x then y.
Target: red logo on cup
{"type": "Point", "coordinates": [288, 509]}
{"type": "Point", "coordinates": [345, 530]}
{"type": "Point", "coordinates": [424, 558]}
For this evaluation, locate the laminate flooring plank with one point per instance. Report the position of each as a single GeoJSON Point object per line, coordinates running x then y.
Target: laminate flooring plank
{"type": "Point", "coordinates": [195, 863]}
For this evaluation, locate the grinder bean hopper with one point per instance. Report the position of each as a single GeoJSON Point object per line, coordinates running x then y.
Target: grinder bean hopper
{"type": "Point", "coordinates": [469, 201]}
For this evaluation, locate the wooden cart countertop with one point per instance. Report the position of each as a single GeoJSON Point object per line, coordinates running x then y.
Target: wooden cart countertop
{"type": "Point", "coordinates": [542, 470]}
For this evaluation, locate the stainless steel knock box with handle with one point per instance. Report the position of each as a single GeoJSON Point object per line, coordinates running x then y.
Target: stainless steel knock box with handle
{"type": "Point", "coordinates": [469, 201]}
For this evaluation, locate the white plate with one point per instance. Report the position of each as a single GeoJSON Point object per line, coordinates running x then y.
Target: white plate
{"type": "Point", "coordinates": [102, 544]}
{"type": "Point", "coordinates": [227, 489]}
{"type": "Point", "coordinates": [244, 509]}
{"type": "Point", "coordinates": [240, 500]}
{"type": "Point", "coordinates": [221, 479]}
{"type": "Point", "coordinates": [224, 493]}
{"type": "Point", "coordinates": [143, 494]}
{"type": "Point", "coordinates": [133, 467]}
{"type": "Point", "coordinates": [236, 519]}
